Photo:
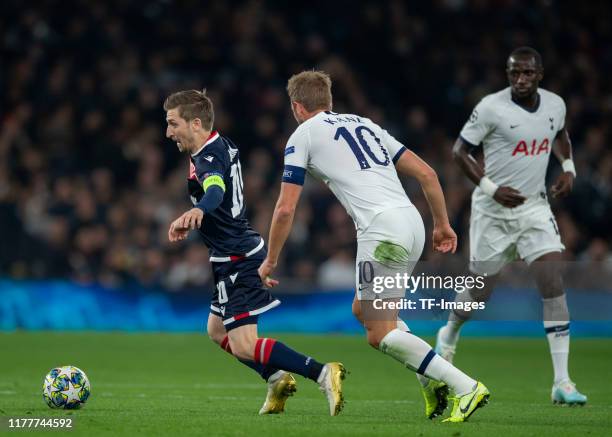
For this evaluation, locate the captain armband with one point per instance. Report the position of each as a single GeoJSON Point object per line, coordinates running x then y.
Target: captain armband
{"type": "Point", "coordinates": [213, 179]}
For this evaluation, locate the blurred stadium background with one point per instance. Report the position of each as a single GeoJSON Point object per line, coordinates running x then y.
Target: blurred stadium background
{"type": "Point", "coordinates": [89, 184]}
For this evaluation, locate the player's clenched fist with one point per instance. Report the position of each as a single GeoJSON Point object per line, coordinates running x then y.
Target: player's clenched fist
{"type": "Point", "coordinates": [444, 239]}
{"type": "Point", "coordinates": [265, 270]}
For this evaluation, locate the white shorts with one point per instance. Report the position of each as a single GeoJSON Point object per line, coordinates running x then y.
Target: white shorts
{"type": "Point", "coordinates": [494, 241]}
{"type": "Point", "coordinates": [391, 244]}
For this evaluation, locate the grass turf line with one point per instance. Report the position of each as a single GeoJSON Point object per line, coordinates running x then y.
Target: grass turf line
{"type": "Point", "coordinates": [158, 384]}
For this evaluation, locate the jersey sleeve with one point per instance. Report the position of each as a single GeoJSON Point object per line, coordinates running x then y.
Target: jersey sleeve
{"type": "Point", "coordinates": [480, 124]}
{"type": "Point", "coordinates": [562, 113]}
{"type": "Point", "coordinates": [211, 166]}
{"type": "Point", "coordinates": [394, 147]}
{"type": "Point", "coordinates": [296, 157]}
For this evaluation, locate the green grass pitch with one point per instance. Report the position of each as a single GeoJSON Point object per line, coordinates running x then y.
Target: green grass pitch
{"type": "Point", "coordinates": [182, 384]}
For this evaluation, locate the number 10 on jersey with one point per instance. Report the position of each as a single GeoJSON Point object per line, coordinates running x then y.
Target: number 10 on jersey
{"type": "Point", "coordinates": [363, 142]}
{"type": "Point", "coordinates": [237, 187]}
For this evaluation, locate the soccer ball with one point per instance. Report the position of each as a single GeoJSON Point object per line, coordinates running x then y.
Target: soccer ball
{"type": "Point", "coordinates": [66, 387]}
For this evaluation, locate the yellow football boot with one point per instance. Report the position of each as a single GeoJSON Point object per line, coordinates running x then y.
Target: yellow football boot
{"type": "Point", "coordinates": [279, 390]}
{"type": "Point", "coordinates": [465, 405]}
{"type": "Point", "coordinates": [330, 383]}
{"type": "Point", "coordinates": [436, 398]}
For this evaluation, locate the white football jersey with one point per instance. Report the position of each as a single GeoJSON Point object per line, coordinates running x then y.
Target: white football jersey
{"type": "Point", "coordinates": [517, 145]}
{"type": "Point", "coordinates": [355, 158]}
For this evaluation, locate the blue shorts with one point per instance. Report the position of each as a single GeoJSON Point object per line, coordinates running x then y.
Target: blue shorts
{"type": "Point", "coordinates": [239, 295]}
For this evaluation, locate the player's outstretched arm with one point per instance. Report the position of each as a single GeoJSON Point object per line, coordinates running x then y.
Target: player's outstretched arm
{"type": "Point", "coordinates": [506, 196]}
{"type": "Point", "coordinates": [562, 148]}
{"type": "Point", "coordinates": [282, 220]}
{"type": "Point", "coordinates": [192, 219]}
{"type": "Point", "coordinates": [444, 238]}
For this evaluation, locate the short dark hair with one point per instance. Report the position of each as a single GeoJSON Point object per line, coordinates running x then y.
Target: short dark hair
{"type": "Point", "coordinates": [528, 52]}
{"type": "Point", "coordinates": [192, 104]}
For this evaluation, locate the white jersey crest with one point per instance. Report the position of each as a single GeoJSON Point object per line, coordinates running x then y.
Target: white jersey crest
{"type": "Point", "coordinates": [355, 157]}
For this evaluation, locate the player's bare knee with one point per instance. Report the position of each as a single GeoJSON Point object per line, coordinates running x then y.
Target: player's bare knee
{"type": "Point", "coordinates": [549, 283]}
{"type": "Point", "coordinates": [216, 331]}
{"type": "Point", "coordinates": [548, 272]}
{"type": "Point", "coordinates": [356, 308]}
{"type": "Point", "coordinates": [476, 295]}
{"type": "Point", "coordinates": [376, 332]}
{"type": "Point", "coordinates": [481, 294]}
{"type": "Point", "coordinates": [374, 338]}
{"type": "Point", "coordinates": [216, 336]}
{"type": "Point", "coordinates": [551, 288]}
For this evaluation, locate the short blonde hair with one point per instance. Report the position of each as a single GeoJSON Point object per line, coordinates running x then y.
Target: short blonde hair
{"type": "Point", "coordinates": [312, 89]}
{"type": "Point", "coordinates": [192, 104]}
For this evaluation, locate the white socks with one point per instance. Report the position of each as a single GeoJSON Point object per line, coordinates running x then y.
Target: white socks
{"type": "Point", "coordinates": [441, 370]}
{"type": "Point", "coordinates": [556, 325]}
{"type": "Point", "coordinates": [402, 326]}
{"type": "Point", "coordinates": [449, 333]}
{"type": "Point", "coordinates": [417, 355]}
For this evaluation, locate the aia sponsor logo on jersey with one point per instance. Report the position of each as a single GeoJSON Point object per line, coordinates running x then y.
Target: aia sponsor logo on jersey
{"type": "Point", "coordinates": [533, 149]}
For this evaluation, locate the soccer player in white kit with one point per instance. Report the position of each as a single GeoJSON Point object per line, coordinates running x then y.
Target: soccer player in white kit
{"type": "Point", "coordinates": [519, 127]}
{"type": "Point", "coordinates": [359, 161]}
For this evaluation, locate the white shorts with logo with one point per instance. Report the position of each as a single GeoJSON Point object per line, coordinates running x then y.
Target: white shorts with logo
{"type": "Point", "coordinates": [391, 244]}
{"type": "Point", "coordinates": [494, 241]}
